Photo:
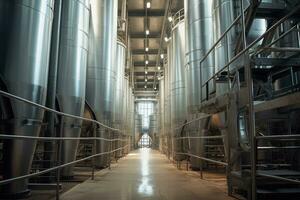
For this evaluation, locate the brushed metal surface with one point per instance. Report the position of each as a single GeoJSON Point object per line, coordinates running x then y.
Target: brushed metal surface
{"type": "Point", "coordinates": [101, 73]}
{"type": "Point", "coordinates": [199, 39]}
{"type": "Point", "coordinates": [223, 16]}
{"type": "Point", "coordinates": [177, 82]}
{"type": "Point", "coordinates": [120, 85]}
{"type": "Point", "coordinates": [26, 37]}
{"type": "Point", "coordinates": [72, 73]}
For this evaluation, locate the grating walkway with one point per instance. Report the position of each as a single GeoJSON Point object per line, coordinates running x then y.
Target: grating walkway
{"type": "Point", "coordinates": [145, 174]}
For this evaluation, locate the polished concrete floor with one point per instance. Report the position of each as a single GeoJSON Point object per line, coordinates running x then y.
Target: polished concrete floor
{"type": "Point", "coordinates": [145, 174]}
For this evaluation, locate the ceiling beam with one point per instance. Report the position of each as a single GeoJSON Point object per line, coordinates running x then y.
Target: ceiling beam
{"type": "Point", "coordinates": [142, 51]}
{"type": "Point", "coordinates": [142, 13]}
{"type": "Point", "coordinates": [141, 63]}
{"type": "Point", "coordinates": [142, 35]}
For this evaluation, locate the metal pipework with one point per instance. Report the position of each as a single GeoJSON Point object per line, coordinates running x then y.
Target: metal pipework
{"type": "Point", "coordinates": [199, 39]}
{"type": "Point", "coordinates": [72, 73]}
{"type": "Point", "coordinates": [101, 73]}
{"type": "Point", "coordinates": [25, 50]}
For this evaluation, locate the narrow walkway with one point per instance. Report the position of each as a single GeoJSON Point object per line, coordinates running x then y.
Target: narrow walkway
{"type": "Point", "coordinates": [145, 174]}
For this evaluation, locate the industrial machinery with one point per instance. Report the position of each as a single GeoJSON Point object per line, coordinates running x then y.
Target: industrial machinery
{"type": "Point", "coordinates": [242, 95]}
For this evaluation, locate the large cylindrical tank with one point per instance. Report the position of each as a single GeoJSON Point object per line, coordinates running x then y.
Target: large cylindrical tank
{"type": "Point", "coordinates": [199, 39]}
{"type": "Point", "coordinates": [153, 130]}
{"type": "Point", "coordinates": [101, 72]}
{"type": "Point", "coordinates": [167, 113]}
{"type": "Point", "coordinates": [120, 94]}
{"type": "Point", "coordinates": [25, 46]}
{"type": "Point", "coordinates": [177, 81]}
{"type": "Point", "coordinates": [162, 111]}
{"type": "Point", "coordinates": [118, 103]}
{"type": "Point", "coordinates": [223, 16]}
{"type": "Point", "coordinates": [71, 82]}
{"type": "Point", "coordinates": [138, 127]}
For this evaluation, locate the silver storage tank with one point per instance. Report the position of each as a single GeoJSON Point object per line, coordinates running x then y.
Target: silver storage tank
{"type": "Point", "coordinates": [101, 74]}
{"type": "Point", "coordinates": [138, 128]}
{"type": "Point", "coordinates": [199, 39]}
{"type": "Point", "coordinates": [71, 82]}
{"type": "Point", "coordinates": [167, 114]}
{"type": "Point", "coordinates": [153, 130]}
{"type": "Point", "coordinates": [120, 91]}
{"type": "Point", "coordinates": [223, 16]}
{"type": "Point", "coordinates": [119, 104]}
{"type": "Point", "coordinates": [177, 82]}
{"type": "Point", "coordinates": [25, 49]}
{"type": "Point", "coordinates": [162, 112]}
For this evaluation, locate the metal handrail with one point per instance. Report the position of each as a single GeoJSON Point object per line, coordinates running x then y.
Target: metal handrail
{"type": "Point", "coordinates": [201, 137]}
{"type": "Point", "coordinates": [11, 96]}
{"type": "Point", "coordinates": [273, 27]}
{"type": "Point", "coordinates": [5, 136]}
{"type": "Point", "coordinates": [3, 182]}
{"type": "Point", "coordinates": [203, 158]}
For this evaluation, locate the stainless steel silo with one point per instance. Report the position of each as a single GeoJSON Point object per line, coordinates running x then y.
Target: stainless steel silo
{"type": "Point", "coordinates": [138, 128]}
{"type": "Point", "coordinates": [118, 103]}
{"type": "Point", "coordinates": [120, 93]}
{"type": "Point", "coordinates": [177, 82]}
{"type": "Point", "coordinates": [72, 73]}
{"type": "Point", "coordinates": [167, 103]}
{"type": "Point", "coordinates": [223, 16]}
{"type": "Point", "coordinates": [199, 39]}
{"type": "Point", "coordinates": [162, 112]}
{"type": "Point", "coordinates": [25, 46]}
{"type": "Point", "coordinates": [101, 73]}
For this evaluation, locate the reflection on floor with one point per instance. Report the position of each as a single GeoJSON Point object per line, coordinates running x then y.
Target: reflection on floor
{"type": "Point", "coordinates": [146, 174]}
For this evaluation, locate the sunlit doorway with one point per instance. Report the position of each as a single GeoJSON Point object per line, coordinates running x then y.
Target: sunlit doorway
{"type": "Point", "coordinates": [145, 141]}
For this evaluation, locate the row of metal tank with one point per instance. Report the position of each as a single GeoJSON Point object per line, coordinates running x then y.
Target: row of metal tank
{"type": "Point", "coordinates": [62, 54]}
{"type": "Point", "coordinates": [192, 35]}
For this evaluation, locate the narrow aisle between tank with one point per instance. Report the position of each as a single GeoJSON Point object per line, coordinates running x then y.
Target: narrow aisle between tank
{"type": "Point", "coordinates": [145, 174]}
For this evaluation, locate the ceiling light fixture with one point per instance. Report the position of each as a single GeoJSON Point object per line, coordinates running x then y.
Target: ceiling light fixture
{"type": "Point", "coordinates": [146, 72]}
{"type": "Point", "coordinates": [162, 56]}
{"type": "Point", "coordinates": [146, 79]}
{"type": "Point", "coordinates": [158, 67]}
{"type": "Point", "coordinates": [166, 39]}
{"type": "Point", "coordinates": [170, 19]}
{"type": "Point", "coordinates": [146, 49]}
{"type": "Point", "coordinates": [145, 86]}
{"type": "Point", "coordinates": [146, 62]}
{"type": "Point", "coordinates": [148, 4]}
{"type": "Point", "coordinates": [147, 32]}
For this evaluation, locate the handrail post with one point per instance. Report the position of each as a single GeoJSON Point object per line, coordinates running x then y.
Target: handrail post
{"type": "Point", "coordinates": [110, 148]}
{"type": "Point", "coordinates": [94, 150]}
{"type": "Point", "coordinates": [59, 147]}
{"type": "Point", "coordinates": [201, 169]}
